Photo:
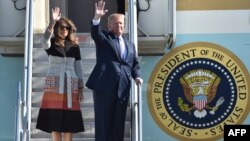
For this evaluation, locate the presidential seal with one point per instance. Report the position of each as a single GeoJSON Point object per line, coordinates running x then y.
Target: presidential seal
{"type": "Point", "coordinates": [196, 89]}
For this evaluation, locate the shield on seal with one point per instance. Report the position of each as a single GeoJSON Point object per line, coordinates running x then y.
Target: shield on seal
{"type": "Point", "coordinates": [200, 101]}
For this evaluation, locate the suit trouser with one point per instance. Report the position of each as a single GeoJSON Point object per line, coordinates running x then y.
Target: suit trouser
{"type": "Point", "coordinates": [110, 115]}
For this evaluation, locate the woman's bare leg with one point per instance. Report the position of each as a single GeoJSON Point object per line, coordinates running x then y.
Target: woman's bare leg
{"type": "Point", "coordinates": [68, 136]}
{"type": "Point", "coordinates": [57, 136]}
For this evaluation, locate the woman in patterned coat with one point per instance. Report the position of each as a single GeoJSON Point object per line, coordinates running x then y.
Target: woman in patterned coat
{"type": "Point", "coordinates": [60, 112]}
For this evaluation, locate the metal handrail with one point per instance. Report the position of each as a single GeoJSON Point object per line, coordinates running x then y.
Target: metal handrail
{"type": "Point", "coordinates": [28, 70]}
{"type": "Point", "coordinates": [135, 96]}
{"type": "Point", "coordinates": [19, 117]}
{"type": "Point", "coordinates": [140, 112]}
{"type": "Point", "coordinates": [136, 114]}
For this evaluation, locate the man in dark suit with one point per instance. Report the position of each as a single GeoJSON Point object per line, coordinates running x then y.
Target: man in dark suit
{"type": "Point", "coordinates": [111, 77]}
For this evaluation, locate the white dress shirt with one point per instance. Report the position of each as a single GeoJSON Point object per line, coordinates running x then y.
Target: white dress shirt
{"type": "Point", "coordinates": [122, 47]}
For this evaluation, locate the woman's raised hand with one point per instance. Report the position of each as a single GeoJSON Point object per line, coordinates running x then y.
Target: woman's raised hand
{"type": "Point", "coordinates": [56, 14]}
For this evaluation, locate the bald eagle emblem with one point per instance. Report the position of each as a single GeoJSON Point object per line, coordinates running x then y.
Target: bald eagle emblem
{"type": "Point", "coordinates": [199, 87]}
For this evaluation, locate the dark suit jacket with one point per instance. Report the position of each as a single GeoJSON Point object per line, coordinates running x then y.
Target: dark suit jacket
{"type": "Point", "coordinates": [110, 70]}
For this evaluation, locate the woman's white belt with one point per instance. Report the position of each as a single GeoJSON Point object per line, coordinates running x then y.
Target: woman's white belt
{"type": "Point", "coordinates": [65, 70]}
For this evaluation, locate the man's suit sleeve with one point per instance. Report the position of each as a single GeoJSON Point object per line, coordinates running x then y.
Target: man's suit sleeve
{"type": "Point", "coordinates": [96, 33]}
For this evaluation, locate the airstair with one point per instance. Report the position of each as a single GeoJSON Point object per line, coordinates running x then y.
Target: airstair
{"type": "Point", "coordinates": [36, 66]}
{"type": "Point", "coordinates": [39, 69]}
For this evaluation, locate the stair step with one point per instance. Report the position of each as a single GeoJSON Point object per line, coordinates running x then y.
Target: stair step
{"type": "Point", "coordinates": [86, 53]}
{"type": "Point", "coordinates": [88, 133]}
{"type": "Point", "coordinates": [85, 40]}
{"type": "Point", "coordinates": [39, 82]}
{"type": "Point", "coordinates": [74, 139]}
{"type": "Point", "coordinates": [87, 113]}
{"type": "Point", "coordinates": [87, 101]}
{"type": "Point", "coordinates": [39, 71]}
{"type": "Point", "coordinates": [40, 89]}
{"type": "Point", "coordinates": [42, 67]}
{"type": "Point", "coordinates": [45, 60]}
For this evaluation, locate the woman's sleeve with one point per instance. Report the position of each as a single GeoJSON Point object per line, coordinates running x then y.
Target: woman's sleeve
{"type": "Point", "coordinates": [78, 68]}
{"type": "Point", "coordinates": [46, 39]}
